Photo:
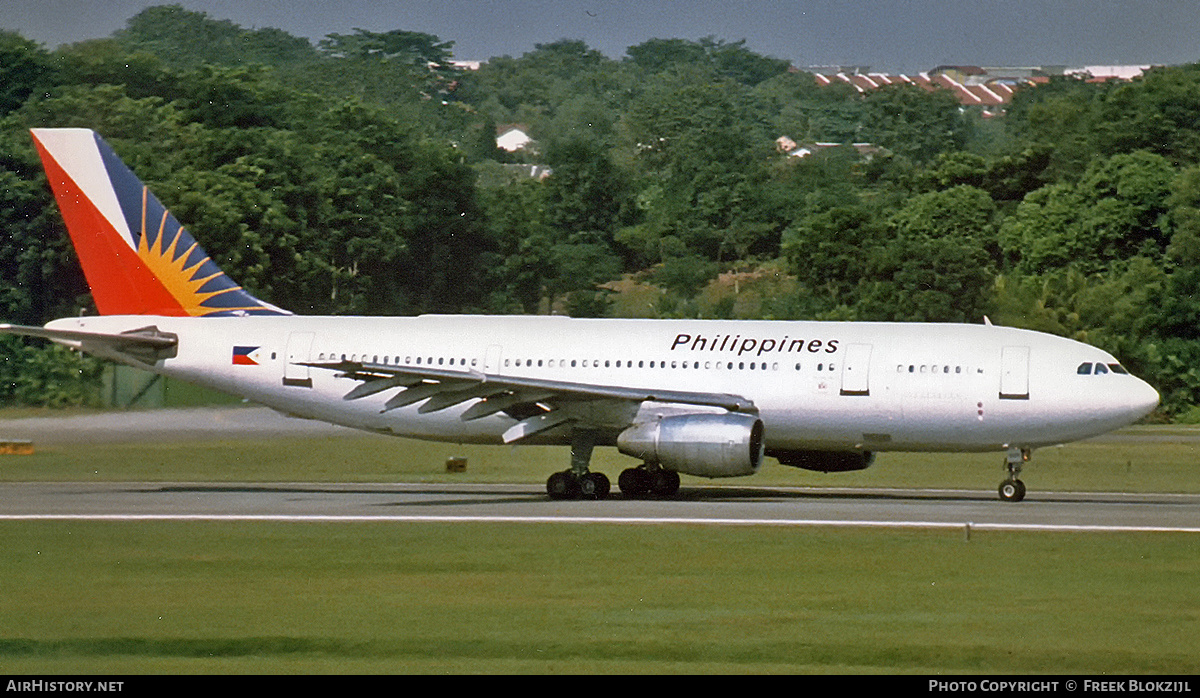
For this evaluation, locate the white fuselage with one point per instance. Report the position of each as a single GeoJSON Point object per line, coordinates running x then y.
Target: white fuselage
{"type": "Point", "coordinates": [816, 385]}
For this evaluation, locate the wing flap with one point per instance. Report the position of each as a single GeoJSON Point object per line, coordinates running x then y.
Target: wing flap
{"type": "Point", "coordinates": [535, 425]}
{"type": "Point", "coordinates": [562, 389]}
{"type": "Point", "coordinates": [440, 389]}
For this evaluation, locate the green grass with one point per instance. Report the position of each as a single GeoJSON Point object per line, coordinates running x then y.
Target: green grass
{"type": "Point", "coordinates": [229, 598]}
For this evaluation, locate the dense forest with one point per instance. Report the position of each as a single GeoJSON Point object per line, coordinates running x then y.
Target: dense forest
{"type": "Point", "coordinates": [361, 175]}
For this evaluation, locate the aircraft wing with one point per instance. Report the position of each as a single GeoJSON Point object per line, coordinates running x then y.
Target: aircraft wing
{"type": "Point", "coordinates": [539, 404]}
{"type": "Point", "coordinates": [144, 345]}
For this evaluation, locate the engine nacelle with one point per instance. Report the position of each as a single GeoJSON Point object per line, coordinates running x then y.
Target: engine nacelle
{"type": "Point", "coordinates": [825, 461]}
{"type": "Point", "coordinates": [708, 445]}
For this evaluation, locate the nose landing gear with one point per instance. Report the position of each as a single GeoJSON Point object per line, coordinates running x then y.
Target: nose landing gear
{"type": "Point", "coordinates": [1012, 489]}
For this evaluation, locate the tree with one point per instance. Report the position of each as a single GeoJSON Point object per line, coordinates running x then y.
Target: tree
{"type": "Point", "coordinates": [184, 39]}
{"type": "Point", "coordinates": [24, 69]}
{"type": "Point", "coordinates": [1117, 210]}
{"type": "Point", "coordinates": [702, 157]}
{"type": "Point", "coordinates": [427, 55]}
{"type": "Point", "coordinates": [1176, 313]}
{"type": "Point", "coordinates": [1059, 116]}
{"type": "Point", "coordinates": [936, 267]}
{"type": "Point", "coordinates": [584, 192]}
{"type": "Point", "coordinates": [731, 61]}
{"type": "Point", "coordinates": [912, 122]}
{"type": "Point", "coordinates": [1156, 112]}
{"type": "Point", "coordinates": [828, 251]}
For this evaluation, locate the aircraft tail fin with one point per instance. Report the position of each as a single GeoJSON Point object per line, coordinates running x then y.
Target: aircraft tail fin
{"type": "Point", "coordinates": [137, 258]}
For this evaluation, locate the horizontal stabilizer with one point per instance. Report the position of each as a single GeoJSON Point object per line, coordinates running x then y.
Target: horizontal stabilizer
{"type": "Point", "coordinates": [145, 345]}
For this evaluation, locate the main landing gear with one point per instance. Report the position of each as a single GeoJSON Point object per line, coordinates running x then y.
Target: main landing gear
{"type": "Point", "coordinates": [645, 480]}
{"type": "Point", "coordinates": [648, 479]}
{"type": "Point", "coordinates": [568, 485]}
{"type": "Point", "coordinates": [1012, 489]}
{"type": "Point", "coordinates": [580, 483]}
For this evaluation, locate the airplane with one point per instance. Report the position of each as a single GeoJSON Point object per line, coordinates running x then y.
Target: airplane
{"type": "Point", "coordinates": [707, 398]}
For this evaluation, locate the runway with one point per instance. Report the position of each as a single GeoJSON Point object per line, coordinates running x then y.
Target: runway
{"type": "Point", "coordinates": [713, 505]}
{"type": "Point", "coordinates": [528, 504]}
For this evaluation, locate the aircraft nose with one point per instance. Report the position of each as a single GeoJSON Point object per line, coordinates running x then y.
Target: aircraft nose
{"type": "Point", "coordinates": [1142, 400]}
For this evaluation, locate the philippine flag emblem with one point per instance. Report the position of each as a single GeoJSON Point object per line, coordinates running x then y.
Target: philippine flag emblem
{"type": "Point", "coordinates": [242, 356]}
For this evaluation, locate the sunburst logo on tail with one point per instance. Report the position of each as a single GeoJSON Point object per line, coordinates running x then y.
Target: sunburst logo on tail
{"type": "Point", "coordinates": [183, 276]}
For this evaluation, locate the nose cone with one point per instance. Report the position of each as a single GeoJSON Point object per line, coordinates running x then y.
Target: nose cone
{"type": "Point", "coordinates": [1142, 400]}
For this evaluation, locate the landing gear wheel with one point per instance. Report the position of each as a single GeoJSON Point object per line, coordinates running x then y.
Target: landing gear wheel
{"type": "Point", "coordinates": [1012, 490]}
{"type": "Point", "coordinates": [634, 482]}
{"type": "Point", "coordinates": [643, 480]}
{"type": "Point", "coordinates": [664, 483]}
{"type": "Point", "coordinates": [562, 485]}
{"type": "Point", "coordinates": [593, 486]}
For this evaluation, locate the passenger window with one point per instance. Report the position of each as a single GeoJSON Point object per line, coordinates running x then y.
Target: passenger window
{"type": "Point", "coordinates": [1084, 369]}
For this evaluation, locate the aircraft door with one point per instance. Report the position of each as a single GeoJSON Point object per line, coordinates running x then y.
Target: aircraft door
{"type": "Point", "coordinates": [856, 368]}
{"type": "Point", "coordinates": [1014, 373]}
{"type": "Point", "coordinates": [299, 350]}
{"type": "Point", "coordinates": [491, 360]}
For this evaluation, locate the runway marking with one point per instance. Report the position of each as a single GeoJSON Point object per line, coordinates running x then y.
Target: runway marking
{"type": "Point", "coordinates": [640, 521]}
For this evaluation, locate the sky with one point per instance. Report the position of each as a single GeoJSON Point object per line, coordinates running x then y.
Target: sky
{"type": "Point", "coordinates": [887, 35]}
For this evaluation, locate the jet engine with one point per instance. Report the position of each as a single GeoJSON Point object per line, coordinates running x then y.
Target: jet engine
{"type": "Point", "coordinates": [708, 445]}
{"type": "Point", "coordinates": [825, 461]}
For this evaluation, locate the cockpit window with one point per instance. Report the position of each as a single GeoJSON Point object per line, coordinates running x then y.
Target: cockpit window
{"type": "Point", "coordinates": [1085, 368]}
{"type": "Point", "coordinates": [1118, 368]}
{"type": "Point", "coordinates": [1101, 368]}
{"type": "Point", "coordinates": [1088, 368]}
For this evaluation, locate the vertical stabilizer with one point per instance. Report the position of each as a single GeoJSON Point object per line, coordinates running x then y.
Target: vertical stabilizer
{"type": "Point", "coordinates": [137, 258]}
